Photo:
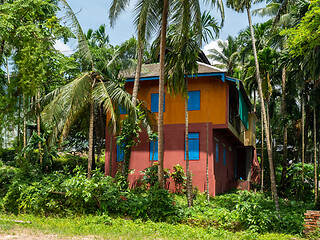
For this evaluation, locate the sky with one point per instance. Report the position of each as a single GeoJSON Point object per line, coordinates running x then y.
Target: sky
{"type": "Point", "coordinates": [91, 14]}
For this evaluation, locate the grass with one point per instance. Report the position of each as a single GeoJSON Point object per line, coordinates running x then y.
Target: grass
{"type": "Point", "coordinates": [119, 228]}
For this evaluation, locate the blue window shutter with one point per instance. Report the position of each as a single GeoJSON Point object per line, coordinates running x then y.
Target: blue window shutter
{"type": "Point", "coordinates": [193, 100]}
{"type": "Point", "coordinates": [155, 144]}
{"type": "Point", "coordinates": [224, 157]}
{"type": "Point", "coordinates": [122, 110]}
{"type": "Point", "coordinates": [193, 146]}
{"type": "Point", "coordinates": [155, 102]}
{"type": "Point", "coordinates": [120, 153]}
{"type": "Point", "coordinates": [217, 152]}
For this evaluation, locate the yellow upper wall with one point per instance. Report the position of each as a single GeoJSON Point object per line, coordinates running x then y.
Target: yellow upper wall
{"type": "Point", "coordinates": [213, 100]}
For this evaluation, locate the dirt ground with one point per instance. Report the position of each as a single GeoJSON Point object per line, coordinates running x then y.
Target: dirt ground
{"type": "Point", "coordinates": [32, 235]}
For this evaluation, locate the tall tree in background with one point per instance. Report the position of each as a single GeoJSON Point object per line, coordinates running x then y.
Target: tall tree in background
{"type": "Point", "coordinates": [65, 104]}
{"type": "Point", "coordinates": [241, 6]}
{"type": "Point", "coordinates": [228, 57]}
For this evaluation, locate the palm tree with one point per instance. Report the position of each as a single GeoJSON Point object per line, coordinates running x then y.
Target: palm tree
{"type": "Point", "coordinates": [146, 21]}
{"type": "Point", "coordinates": [183, 44]}
{"type": "Point", "coordinates": [228, 56]}
{"type": "Point", "coordinates": [241, 6]}
{"type": "Point", "coordinates": [64, 104]}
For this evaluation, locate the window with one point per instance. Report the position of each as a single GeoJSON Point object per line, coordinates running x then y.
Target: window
{"type": "Point", "coordinates": [224, 156]}
{"type": "Point", "coordinates": [217, 152]}
{"type": "Point", "coordinates": [154, 150]}
{"type": "Point", "coordinates": [120, 153]}
{"type": "Point", "coordinates": [194, 100]}
{"type": "Point", "coordinates": [194, 144]}
{"type": "Point", "coordinates": [155, 102]}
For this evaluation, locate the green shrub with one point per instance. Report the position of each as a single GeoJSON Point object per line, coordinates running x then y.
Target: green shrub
{"type": "Point", "coordinates": [150, 174]}
{"type": "Point", "coordinates": [179, 178]}
{"type": "Point", "coordinates": [6, 176]}
{"type": "Point", "coordinates": [70, 162]}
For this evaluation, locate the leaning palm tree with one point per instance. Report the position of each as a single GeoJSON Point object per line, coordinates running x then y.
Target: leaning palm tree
{"type": "Point", "coordinates": [240, 5]}
{"type": "Point", "coordinates": [64, 105]}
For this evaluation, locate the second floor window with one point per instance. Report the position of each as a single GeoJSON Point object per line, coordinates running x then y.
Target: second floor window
{"type": "Point", "coordinates": [193, 100]}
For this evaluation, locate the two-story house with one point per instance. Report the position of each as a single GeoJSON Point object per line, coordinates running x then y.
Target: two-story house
{"type": "Point", "coordinates": [218, 108]}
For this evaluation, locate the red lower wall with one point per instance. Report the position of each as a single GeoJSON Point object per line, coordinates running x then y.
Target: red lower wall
{"type": "Point", "coordinates": [221, 176]}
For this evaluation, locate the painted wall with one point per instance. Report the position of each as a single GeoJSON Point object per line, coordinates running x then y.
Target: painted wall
{"type": "Point", "coordinates": [213, 100]}
{"type": "Point", "coordinates": [174, 147]}
{"type": "Point", "coordinates": [224, 170]}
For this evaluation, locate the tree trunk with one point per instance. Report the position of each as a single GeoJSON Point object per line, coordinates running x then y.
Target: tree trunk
{"type": "Point", "coordinates": [272, 174]}
{"type": "Point", "coordinates": [189, 181]}
{"type": "Point", "coordinates": [302, 145]}
{"type": "Point", "coordinates": [24, 124]}
{"type": "Point", "coordinates": [38, 127]}
{"type": "Point", "coordinates": [254, 101]}
{"type": "Point", "coordinates": [110, 154]}
{"type": "Point", "coordinates": [8, 74]}
{"type": "Point", "coordinates": [90, 139]}
{"type": "Point", "coordinates": [161, 90]}
{"type": "Point", "coordinates": [137, 77]}
{"type": "Point", "coordinates": [207, 163]}
{"type": "Point", "coordinates": [262, 153]}
{"type": "Point", "coordinates": [315, 150]}
{"type": "Point", "coordinates": [153, 148]}
{"type": "Point", "coordinates": [285, 132]}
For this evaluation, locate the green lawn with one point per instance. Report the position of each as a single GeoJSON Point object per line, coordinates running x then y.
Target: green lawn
{"type": "Point", "coordinates": [108, 228]}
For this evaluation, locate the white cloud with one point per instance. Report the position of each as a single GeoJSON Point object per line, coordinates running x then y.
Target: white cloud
{"type": "Point", "coordinates": [63, 48]}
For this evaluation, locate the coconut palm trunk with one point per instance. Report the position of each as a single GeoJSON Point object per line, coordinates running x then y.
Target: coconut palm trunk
{"type": "Point", "coordinates": [90, 139]}
{"type": "Point", "coordinates": [137, 76]}
{"type": "Point", "coordinates": [110, 154]}
{"type": "Point", "coordinates": [315, 151]}
{"type": "Point", "coordinates": [285, 132]}
{"type": "Point", "coordinates": [262, 153]}
{"type": "Point", "coordinates": [207, 163]}
{"type": "Point", "coordinates": [189, 180]}
{"type": "Point", "coordinates": [161, 90]}
{"type": "Point", "coordinates": [38, 126]}
{"type": "Point", "coordinates": [24, 124]}
{"type": "Point", "coordinates": [303, 143]}
{"type": "Point", "coordinates": [263, 110]}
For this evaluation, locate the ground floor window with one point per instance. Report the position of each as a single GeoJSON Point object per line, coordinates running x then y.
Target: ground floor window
{"type": "Point", "coordinates": [153, 150]}
{"type": "Point", "coordinates": [194, 146]}
{"type": "Point", "coordinates": [120, 153]}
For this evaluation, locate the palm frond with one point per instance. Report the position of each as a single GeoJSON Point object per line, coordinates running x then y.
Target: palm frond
{"type": "Point", "coordinates": [117, 6]}
{"type": "Point", "coordinates": [64, 108]}
{"type": "Point", "coordinates": [110, 94]}
{"type": "Point", "coordinates": [83, 46]}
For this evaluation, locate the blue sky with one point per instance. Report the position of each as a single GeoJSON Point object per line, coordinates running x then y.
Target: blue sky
{"type": "Point", "coordinates": [91, 14]}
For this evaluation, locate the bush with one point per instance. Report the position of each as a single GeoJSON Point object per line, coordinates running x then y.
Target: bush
{"type": "Point", "coordinates": [7, 156]}
{"type": "Point", "coordinates": [179, 178]}
{"type": "Point", "coordinates": [70, 162]}
{"type": "Point", "coordinates": [7, 174]}
{"type": "Point", "coordinates": [150, 175]}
